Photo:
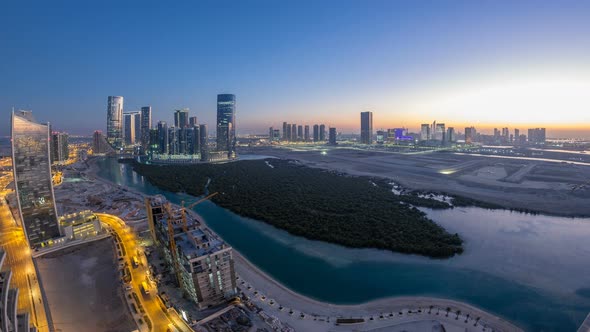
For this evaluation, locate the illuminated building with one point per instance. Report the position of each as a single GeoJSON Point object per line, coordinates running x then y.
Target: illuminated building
{"type": "Point", "coordinates": [115, 121]}
{"type": "Point", "coordinates": [226, 123]}
{"type": "Point", "coordinates": [9, 319]}
{"type": "Point", "coordinates": [32, 178]}
{"type": "Point", "coordinates": [60, 151]}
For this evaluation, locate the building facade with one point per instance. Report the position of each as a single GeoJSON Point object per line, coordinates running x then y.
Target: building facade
{"type": "Point", "coordinates": [115, 121]}
{"type": "Point", "coordinates": [60, 151]}
{"type": "Point", "coordinates": [226, 123]}
{"type": "Point", "coordinates": [146, 125]}
{"type": "Point", "coordinates": [32, 178]}
{"type": "Point", "coordinates": [202, 262]}
{"type": "Point", "coordinates": [332, 136]}
{"type": "Point", "coordinates": [366, 127]}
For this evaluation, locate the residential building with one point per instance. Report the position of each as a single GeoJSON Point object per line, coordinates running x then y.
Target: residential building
{"type": "Point", "coordinates": [322, 133]}
{"type": "Point", "coordinates": [332, 136]}
{"type": "Point", "coordinates": [425, 132]}
{"type": "Point", "coordinates": [316, 133]}
{"type": "Point", "coordinates": [537, 135]}
{"type": "Point", "coordinates": [202, 262]}
{"type": "Point", "coordinates": [451, 135]}
{"type": "Point", "coordinates": [193, 121]}
{"type": "Point", "coordinates": [306, 134]}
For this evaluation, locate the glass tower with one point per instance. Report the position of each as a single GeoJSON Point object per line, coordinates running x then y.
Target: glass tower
{"type": "Point", "coordinates": [366, 127]}
{"type": "Point", "coordinates": [115, 121]}
{"type": "Point", "coordinates": [226, 123]}
{"type": "Point", "coordinates": [32, 178]}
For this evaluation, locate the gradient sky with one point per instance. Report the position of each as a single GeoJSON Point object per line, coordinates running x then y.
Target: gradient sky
{"type": "Point", "coordinates": [482, 63]}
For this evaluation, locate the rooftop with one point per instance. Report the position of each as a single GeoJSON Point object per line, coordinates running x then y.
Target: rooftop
{"type": "Point", "coordinates": [196, 243]}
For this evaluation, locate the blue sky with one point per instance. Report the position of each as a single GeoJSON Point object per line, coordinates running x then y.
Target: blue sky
{"type": "Point", "coordinates": [295, 61]}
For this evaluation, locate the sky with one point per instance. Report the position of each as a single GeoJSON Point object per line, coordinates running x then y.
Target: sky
{"type": "Point", "coordinates": [514, 64]}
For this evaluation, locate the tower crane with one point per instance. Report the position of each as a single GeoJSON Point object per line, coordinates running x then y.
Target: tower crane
{"type": "Point", "coordinates": [183, 209]}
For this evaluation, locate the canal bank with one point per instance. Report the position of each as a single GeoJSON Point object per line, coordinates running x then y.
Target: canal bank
{"type": "Point", "coordinates": [350, 276]}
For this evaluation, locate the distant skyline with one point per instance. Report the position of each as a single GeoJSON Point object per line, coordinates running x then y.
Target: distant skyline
{"type": "Point", "coordinates": [488, 64]}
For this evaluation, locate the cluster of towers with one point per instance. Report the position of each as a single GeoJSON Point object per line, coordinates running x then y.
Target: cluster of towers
{"type": "Point", "coordinates": [185, 137]}
{"type": "Point", "coordinates": [300, 133]}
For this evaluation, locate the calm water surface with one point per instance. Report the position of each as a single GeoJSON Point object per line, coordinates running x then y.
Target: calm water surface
{"type": "Point", "coordinates": [531, 270]}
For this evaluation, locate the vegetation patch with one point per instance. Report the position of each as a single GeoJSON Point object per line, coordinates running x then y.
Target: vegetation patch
{"type": "Point", "coordinates": [313, 203]}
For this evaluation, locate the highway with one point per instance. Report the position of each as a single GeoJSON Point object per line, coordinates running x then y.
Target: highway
{"type": "Point", "coordinates": [18, 259]}
{"type": "Point", "coordinates": [158, 316]}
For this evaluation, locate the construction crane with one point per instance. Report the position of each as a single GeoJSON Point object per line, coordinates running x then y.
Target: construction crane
{"type": "Point", "coordinates": [183, 209]}
{"type": "Point", "coordinates": [172, 242]}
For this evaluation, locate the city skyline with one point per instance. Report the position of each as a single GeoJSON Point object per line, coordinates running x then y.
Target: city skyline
{"type": "Point", "coordinates": [481, 64]}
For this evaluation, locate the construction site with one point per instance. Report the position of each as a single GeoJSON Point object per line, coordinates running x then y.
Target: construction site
{"type": "Point", "coordinates": [201, 262]}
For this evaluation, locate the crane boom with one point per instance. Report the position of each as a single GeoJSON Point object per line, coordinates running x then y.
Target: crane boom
{"type": "Point", "coordinates": [184, 222]}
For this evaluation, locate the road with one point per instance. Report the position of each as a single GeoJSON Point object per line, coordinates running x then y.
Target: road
{"type": "Point", "coordinates": [159, 318]}
{"type": "Point", "coordinates": [19, 260]}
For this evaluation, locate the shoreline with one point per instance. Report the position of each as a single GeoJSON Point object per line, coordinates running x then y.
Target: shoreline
{"type": "Point", "coordinates": [262, 281]}
{"type": "Point", "coordinates": [423, 175]}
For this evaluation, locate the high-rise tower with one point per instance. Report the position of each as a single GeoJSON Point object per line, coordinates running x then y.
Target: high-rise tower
{"type": "Point", "coordinates": [115, 121]}
{"type": "Point", "coordinates": [226, 123]}
{"type": "Point", "coordinates": [366, 127]}
{"type": "Point", "coordinates": [146, 125]}
{"type": "Point", "coordinates": [32, 178]}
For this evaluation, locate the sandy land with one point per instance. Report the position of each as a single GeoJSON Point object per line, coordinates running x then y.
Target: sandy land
{"type": "Point", "coordinates": [548, 187]}
{"type": "Point", "coordinates": [262, 283]}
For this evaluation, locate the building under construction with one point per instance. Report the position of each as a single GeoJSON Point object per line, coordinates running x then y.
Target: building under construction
{"type": "Point", "coordinates": [202, 262]}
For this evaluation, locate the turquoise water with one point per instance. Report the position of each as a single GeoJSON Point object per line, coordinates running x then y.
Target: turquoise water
{"type": "Point", "coordinates": [531, 270]}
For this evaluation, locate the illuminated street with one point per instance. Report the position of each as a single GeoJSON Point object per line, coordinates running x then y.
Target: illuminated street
{"type": "Point", "coordinates": [153, 307]}
{"type": "Point", "coordinates": [19, 260]}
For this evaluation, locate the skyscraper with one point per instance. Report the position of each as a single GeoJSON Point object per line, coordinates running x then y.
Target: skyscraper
{"type": "Point", "coordinates": [425, 132]}
{"type": "Point", "coordinates": [293, 132]}
{"type": "Point", "coordinates": [226, 123]}
{"type": "Point", "coordinates": [163, 137]}
{"type": "Point", "coordinates": [439, 132]}
{"type": "Point", "coordinates": [32, 178]}
{"type": "Point", "coordinates": [322, 132]}
{"type": "Point", "coordinates": [181, 118]}
{"type": "Point", "coordinates": [284, 131]}
{"type": "Point", "coordinates": [537, 135]}
{"type": "Point", "coordinates": [60, 151]}
{"type": "Point", "coordinates": [366, 127]}
{"type": "Point", "coordinates": [137, 124]}
{"type": "Point", "coordinates": [204, 142]}
{"type": "Point", "coordinates": [469, 135]}
{"type": "Point", "coordinates": [146, 125]}
{"type": "Point", "coordinates": [332, 136]}
{"type": "Point", "coordinates": [193, 121]}
{"type": "Point", "coordinates": [306, 135]}
{"type": "Point", "coordinates": [115, 121]}
{"type": "Point", "coordinates": [451, 135]}
{"type": "Point", "coordinates": [288, 131]}
{"type": "Point", "coordinates": [316, 133]}
{"type": "Point", "coordinates": [129, 128]}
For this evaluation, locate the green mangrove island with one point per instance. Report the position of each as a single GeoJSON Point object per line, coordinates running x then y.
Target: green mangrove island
{"type": "Point", "coordinates": [358, 212]}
